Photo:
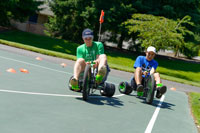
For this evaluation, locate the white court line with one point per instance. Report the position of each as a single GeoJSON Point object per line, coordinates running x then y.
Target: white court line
{"type": "Point", "coordinates": [153, 119]}
{"type": "Point", "coordinates": [41, 66]}
{"type": "Point", "coordinates": [35, 93]}
{"type": "Point", "coordinates": [149, 127]}
{"type": "Point", "coordinates": [48, 94]}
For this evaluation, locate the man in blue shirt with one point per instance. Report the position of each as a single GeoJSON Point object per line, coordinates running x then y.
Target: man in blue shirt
{"type": "Point", "coordinates": [145, 65]}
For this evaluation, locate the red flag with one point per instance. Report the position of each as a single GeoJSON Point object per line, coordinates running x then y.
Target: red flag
{"type": "Point", "coordinates": [101, 19]}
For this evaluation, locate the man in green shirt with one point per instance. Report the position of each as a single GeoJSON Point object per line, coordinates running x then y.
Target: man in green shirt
{"type": "Point", "coordinates": [87, 52]}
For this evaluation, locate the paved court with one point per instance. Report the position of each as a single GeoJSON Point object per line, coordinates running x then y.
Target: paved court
{"type": "Point", "coordinates": [40, 102]}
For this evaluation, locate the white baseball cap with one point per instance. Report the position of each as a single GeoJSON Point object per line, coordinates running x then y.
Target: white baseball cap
{"type": "Point", "coordinates": [151, 48]}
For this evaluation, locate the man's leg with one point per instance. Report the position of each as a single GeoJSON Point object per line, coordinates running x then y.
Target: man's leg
{"type": "Point", "coordinates": [78, 68]}
{"type": "Point", "coordinates": [138, 75]}
{"type": "Point", "coordinates": [102, 69]}
{"type": "Point", "coordinates": [102, 61]}
{"type": "Point", "coordinates": [138, 79]}
{"type": "Point", "coordinates": [157, 78]}
{"type": "Point", "coordinates": [161, 89]}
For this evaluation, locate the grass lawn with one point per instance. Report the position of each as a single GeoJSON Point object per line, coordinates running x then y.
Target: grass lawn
{"type": "Point", "coordinates": [195, 105]}
{"type": "Point", "coordinates": [178, 71]}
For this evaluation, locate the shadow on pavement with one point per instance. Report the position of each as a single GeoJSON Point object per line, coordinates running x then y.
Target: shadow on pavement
{"type": "Point", "coordinates": [155, 103]}
{"type": "Point", "coordinates": [100, 100]}
{"type": "Point", "coordinates": [165, 105]}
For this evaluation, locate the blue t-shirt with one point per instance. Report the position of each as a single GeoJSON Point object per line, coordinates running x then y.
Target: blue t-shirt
{"type": "Point", "coordinates": [146, 65]}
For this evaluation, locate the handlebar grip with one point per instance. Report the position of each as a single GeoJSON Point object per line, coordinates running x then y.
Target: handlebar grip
{"type": "Point", "coordinates": [92, 62]}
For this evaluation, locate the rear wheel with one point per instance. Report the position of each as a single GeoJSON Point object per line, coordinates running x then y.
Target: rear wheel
{"type": "Point", "coordinates": [125, 88]}
{"type": "Point", "coordinates": [86, 80]}
{"type": "Point", "coordinates": [150, 84]}
{"type": "Point", "coordinates": [108, 90]}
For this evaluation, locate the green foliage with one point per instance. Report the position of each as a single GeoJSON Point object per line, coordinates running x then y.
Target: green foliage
{"type": "Point", "coordinates": [195, 104]}
{"type": "Point", "coordinates": [190, 50]}
{"type": "Point", "coordinates": [172, 9]}
{"type": "Point", "coordinates": [71, 17]}
{"type": "Point", "coordinates": [161, 32]}
{"type": "Point", "coordinates": [17, 10]}
{"type": "Point", "coordinates": [77, 15]}
{"type": "Point", "coordinates": [118, 12]}
{"type": "Point", "coordinates": [179, 71]}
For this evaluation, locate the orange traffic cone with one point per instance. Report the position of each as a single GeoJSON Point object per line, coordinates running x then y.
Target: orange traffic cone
{"type": "Point", "coordinates": [11, 70]}
{"type": "Point", "coordinates": [38, 58]}
{"type": "Point", "coordinates": [63, 64]}
{"type": "Point", "coordinates": [173, 89]}
{"type": "Point", "coordinates": [24, 70]}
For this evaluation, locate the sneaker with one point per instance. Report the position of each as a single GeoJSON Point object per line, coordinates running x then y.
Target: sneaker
{"type": "Point", "coordinates": [74, 84]}
{"type": "Point", "coordinates": [140, 90]}
{"type": "Point", "coordinates": [100, 75]}
{"type": "Point", "coordinates": [161, 91]}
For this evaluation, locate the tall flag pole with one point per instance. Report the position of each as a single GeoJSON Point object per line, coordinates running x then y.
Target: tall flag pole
{"type": "Point", "coordinates": [101, 20]}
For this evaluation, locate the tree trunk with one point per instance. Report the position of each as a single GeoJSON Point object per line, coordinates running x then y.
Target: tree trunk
{"type": "Point", "coordinates": [176, 51]}
{"type": "Point", "coordinates": [122, 37]}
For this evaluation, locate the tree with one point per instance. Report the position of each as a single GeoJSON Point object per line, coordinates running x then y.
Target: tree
{"type": "Point", "coordinates": [172, 9]}
{"type": "Point", "coordinates": [17, 10]}
{"type": "Point", "coordinates": [71, 17]}
{"type": "Point", "coordinates": [161, 32]}
{"type": "Point", "coordinates": [117, 13]}
{"type": "Point", "coordinates": [76, 15]}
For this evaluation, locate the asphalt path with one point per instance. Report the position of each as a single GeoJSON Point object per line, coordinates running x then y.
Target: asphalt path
{"type": "Point", "coordinates": [40, 101]}
{"type": "Point", "coordinates": [121, 74]}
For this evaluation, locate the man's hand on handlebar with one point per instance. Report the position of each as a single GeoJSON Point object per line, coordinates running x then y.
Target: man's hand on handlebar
{"type": "Point", "coordinates": [95, 63]}
{"type": "Point", "coordinates": [145, 73]}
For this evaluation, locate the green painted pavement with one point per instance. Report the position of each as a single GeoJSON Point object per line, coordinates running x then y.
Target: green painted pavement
{"type": "Point", "coordinates": [176, 115]}
{"type": "Point", "coordinates": [40, 101]}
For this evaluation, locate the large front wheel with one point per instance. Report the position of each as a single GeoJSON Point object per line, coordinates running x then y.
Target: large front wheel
{"type": "Point", "coordinates": [150, 84]}
{"type": "Point", "coordinates": [86, 82]}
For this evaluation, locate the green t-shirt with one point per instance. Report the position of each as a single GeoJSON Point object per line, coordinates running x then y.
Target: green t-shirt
{"type": "Point", "coordinates": [90, 53]}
